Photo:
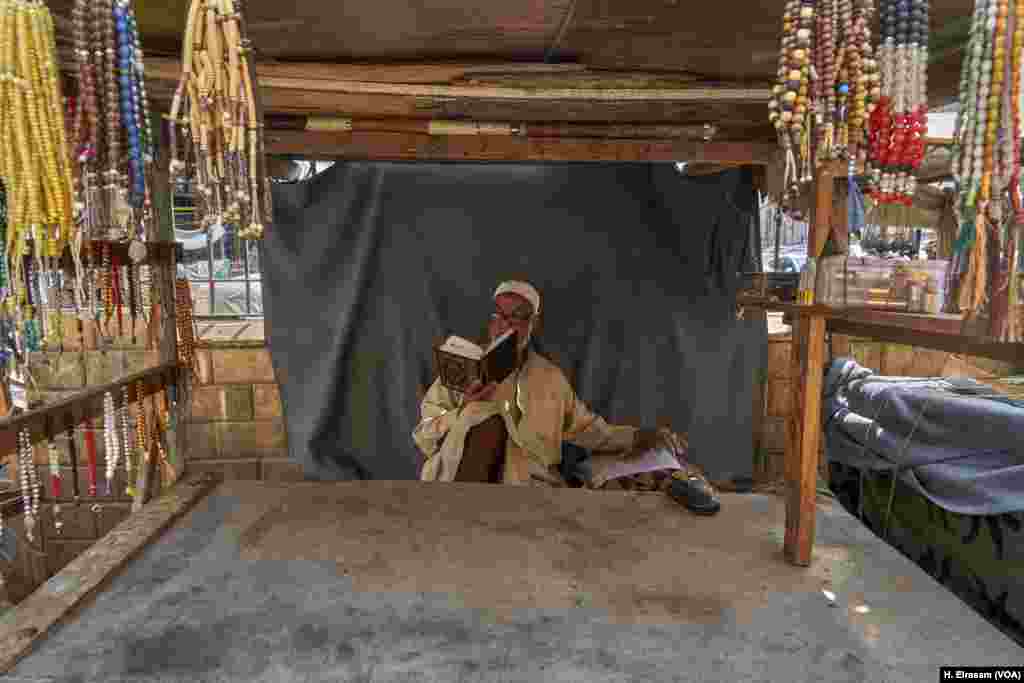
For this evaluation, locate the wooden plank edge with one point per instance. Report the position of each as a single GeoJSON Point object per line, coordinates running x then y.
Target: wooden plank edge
{"type": "Point", "coordinates": [436, 72]}
{"type": "Point", "coordinates": [36, 616]}
{"type": "Point", "coordinates": [411, 147]}
{"type": "Point", "coordinates": [78, 404]}
{"type": "Point", "coordinates": [891, 323]}
{"type": "Point", "coordinates": [1012, 353]}
{"type": "Point", "coordinates": [798, 350]}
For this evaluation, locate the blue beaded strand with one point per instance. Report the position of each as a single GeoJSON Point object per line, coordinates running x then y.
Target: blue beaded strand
{"type": "Point", "coordinates": [141, 106]}
{"type": "Point", "coordinates": [126, 63]}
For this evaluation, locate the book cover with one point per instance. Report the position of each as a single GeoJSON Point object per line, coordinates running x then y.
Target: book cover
{"type": "Point", "coordinates": [460, 362]}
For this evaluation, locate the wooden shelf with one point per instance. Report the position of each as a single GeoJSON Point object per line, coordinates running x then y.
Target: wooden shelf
{"type": "Point", "coordinates": [943, 332]}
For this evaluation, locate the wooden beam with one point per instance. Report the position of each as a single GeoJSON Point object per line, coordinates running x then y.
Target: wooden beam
{"type": "Point", "coordinates": [453, 73]}
{"type": "Point", "coordinates": [445, 92]}
{"type": "Point", "coordinates": [808, 362]}
{"type": "Point", "coordinates": [87, 401]}
{"type": "Point", "coordinates": [961, 344]}
{"type": "Point", "coordinates": [802, 460]}
{"type": "Point", "coordinates": [340, 78]}
{"type": "Point", "coordinates": [821, 223]}
{"type": "Point", "coordinates": [408, 146]}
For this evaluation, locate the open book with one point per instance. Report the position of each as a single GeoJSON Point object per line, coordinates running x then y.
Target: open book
{"type": "Point", "coordinates": [460, 362]}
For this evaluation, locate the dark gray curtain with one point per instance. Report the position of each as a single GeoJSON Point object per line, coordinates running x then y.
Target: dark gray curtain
{"type": "Point", "coordinates": [368, 264]}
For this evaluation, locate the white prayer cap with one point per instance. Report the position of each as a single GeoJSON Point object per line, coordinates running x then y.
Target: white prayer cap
{"type": "Point", "coordinates": [523, 289]}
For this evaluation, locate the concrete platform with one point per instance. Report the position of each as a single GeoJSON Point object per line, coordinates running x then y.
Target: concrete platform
{"type": "Point", "coordinates": [405, 581]}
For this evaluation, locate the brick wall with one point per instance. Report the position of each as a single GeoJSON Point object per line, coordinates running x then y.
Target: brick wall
{"type": "Point", "coordinates": [235, 428]}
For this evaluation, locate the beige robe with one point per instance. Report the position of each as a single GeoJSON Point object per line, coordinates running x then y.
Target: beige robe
{"type": "Point", "coordinates": [540, 410]}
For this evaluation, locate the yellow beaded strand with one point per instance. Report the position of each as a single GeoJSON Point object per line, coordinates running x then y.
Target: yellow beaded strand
{"type": "Point", "coordinates": [35, 161]}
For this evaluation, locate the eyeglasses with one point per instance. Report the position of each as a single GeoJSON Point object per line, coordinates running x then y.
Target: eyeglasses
{"type": "Point", "coordinates": [516, 316]}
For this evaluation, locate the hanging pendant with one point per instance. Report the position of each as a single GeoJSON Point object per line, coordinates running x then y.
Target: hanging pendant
{"type": "Point", "coordinates": [137, 251]}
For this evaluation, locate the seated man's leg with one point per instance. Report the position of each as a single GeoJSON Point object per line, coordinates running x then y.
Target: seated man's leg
{"type": "Point", "coordinates": [483, 456]}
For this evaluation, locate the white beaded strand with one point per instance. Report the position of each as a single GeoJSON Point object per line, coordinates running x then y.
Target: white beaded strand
{"type": "Point", "coordinates": [110, 439]}
{"type": "Point", "coordinates": [126, 436]}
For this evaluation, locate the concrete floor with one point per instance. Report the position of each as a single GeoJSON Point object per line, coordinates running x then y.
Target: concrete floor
{"type": "Point", "coordinates": [404, 581]}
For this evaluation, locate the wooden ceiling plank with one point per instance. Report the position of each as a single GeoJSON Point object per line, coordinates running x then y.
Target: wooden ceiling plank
{"type": "Point", "coordinates": [325, 78]}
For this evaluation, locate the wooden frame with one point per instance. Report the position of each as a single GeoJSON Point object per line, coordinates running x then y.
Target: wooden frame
{"type": "Point", "coordinates": [810, 322]}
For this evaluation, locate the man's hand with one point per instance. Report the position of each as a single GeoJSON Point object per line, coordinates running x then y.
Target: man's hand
{"type": "Point", "coordinates": [479, 392]}
{"type": "Point", "coordinates": [649, 439]}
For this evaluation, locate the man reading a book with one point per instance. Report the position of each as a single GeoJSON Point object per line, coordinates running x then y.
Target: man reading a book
{"type": "Point", "coordinates": [512, 431]}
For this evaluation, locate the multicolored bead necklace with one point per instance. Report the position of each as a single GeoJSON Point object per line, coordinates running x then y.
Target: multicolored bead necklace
{"type": "Point", "coordinates": [54, 462]}
{"type": "Point", "coordinates": [110, 440]}
{"type": "Point", "coordinates": [829, 104]}
{"type": "Point", "coordinates": [35, 166]}
{"type": "Point", "coordinates": [900, 122]}
{"type": "Point", "coordinates": [126, 441]}
{"type": "Point", "coordinates": [986, 167]}
{"type": "Point", "coordinates": [4, 281]}
{"type": "Point", "coordinates": [183, 318]}
{"type": "Point", "coordinates": [89, 437]}
{"type": "Point", "coordinates": [788, 106]}
{"type": "Point", "coordinates": [216, 102]}
{"type": "Point", "coordinates": [140, 424]}
{"type": "Point", "coordinates": [114, 148]}
{"type": "Point", "coordinates": [29, 482]}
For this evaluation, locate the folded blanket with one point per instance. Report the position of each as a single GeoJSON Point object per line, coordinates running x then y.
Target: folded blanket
{"type": "Point", "coordinates": [954, 440]}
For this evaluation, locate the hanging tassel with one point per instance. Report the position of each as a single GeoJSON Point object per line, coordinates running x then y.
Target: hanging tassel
{"type": "Point", "coordinates": [999, 285]}
{"type": "Point", "coordinates": [972, 288]}
{"type": "Point", "coordinates": [965, 240]}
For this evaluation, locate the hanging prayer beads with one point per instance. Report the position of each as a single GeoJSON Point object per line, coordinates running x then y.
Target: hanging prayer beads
{"type": "Point", "coordinates": [132, 296]}
{"type": "Point", "coordinates": [89, 437]}
{"type": "Point", "coordinates": [114, 146]}
{"type": "Point", "coordinates": [73, 452]}
{"type": "Point", "coordinates": [35, 169]}
{"type": "Point", "coordinates": [110, 440]}
{"type": "Point", "coordinates": [183, 317]}
{"type": "Point", "coordinates": [126, 440]}
{"type": "Point", "coordinates": [53, 457]}
{"type": "Point", "coordinates": [827, 87]}
{"type": "Point", "coordinates": [145, 290]}
{"type": "Point", "coordinates": [140, 423]}
{"type": "Point", "coordinates": [215, 103]}
{"type": "Point", "coordinates": [788, 105]}
{"type": "Point", "coordinates": [3, 243]}
{"type": "Point", "coordinates": [29, 483]}
{"type": "Point", "coordinates": [1011, 329]}
{"type": "Point", "coordinates": [986, 167]}
{"type": "Point", "coordinates": [900, 122]}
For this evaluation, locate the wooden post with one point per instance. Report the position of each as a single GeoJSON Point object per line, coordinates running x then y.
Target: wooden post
{"type": "Point", "coordinates": [808, 366]}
